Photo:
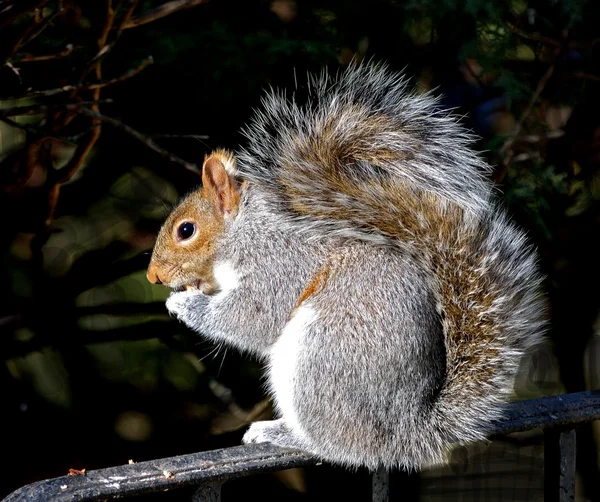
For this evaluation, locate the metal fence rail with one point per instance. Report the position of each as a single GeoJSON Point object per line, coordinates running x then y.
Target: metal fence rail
{"type": "Point", "coordinates": [558, 416]}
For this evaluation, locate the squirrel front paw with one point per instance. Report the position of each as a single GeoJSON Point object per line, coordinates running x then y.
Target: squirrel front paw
{"type": "Point", "coordinates": [272, 431]}
{"type": "Point", "coordinates": [188, 307]}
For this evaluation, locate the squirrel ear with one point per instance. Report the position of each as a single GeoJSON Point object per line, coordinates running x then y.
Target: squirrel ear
{"type": "Point", "coordinates": [219, 186]}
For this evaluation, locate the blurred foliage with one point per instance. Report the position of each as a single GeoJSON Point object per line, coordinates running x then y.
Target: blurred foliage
{"type": "Point", "coordinates": [95, 371]}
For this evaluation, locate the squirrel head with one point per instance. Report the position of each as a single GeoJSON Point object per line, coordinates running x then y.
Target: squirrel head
{"type": "Point", "coordinates": [184, 252]}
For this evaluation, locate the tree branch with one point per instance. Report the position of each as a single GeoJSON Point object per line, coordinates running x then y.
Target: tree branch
{"type": "Point", "coordinates": [31, 130]}
{"type": "Point", "coordinates": [16, 10]}
{"type": "Point", "coordinates": [534, 97]}
{"type": "Point", "coordinates": [43, 24]}
{"type": "Point", "coordinates": [167, 331]}
{"type": "Point", "coordinates": [162, 11]}
{"type": "Point", "coordinates": [12, 45]}
{"type": "Point", "coordinates": [123, 309]}
{"type": "Point", "coordinates": [103, 44]}
{"type": "Point", "coordinates": [582, 75]}
{"type": "Point", "coordinates": [29, 58]}
{"type": "Point", "coordinates": [535, 37]}
{"type": "Point", "coordinates": [34, 109]}
{"type": "Point", "coordinates": [78, 158]}
{"type": "Point", "coordinates": [55, 179]}
{"type": "Point", "coordinates": [85, 87]}
{"type": "Point", "coordinates": [182, 136]}
{"type": "Point", "coordinates": [146, 140]}
{"type": "Point", "coordinates": [506, 150]}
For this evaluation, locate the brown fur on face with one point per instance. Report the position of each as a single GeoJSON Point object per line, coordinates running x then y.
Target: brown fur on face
{"type": "Point", "coordinates": [182, 263]}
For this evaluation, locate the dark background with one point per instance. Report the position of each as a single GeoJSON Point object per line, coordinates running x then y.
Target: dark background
{"type": "Point", "coordinates": [96, 373]}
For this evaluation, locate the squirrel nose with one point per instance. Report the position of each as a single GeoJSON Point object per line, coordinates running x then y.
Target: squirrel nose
{"type": "Point", "coordinates": [152, 274]}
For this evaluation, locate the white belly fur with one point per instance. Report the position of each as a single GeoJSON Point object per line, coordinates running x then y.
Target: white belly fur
{"type": "Point", "coordinates": [283, 362]}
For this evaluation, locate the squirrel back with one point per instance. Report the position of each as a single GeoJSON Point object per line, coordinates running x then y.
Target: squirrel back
{"type": "Point", "coordinates": [368, 159]}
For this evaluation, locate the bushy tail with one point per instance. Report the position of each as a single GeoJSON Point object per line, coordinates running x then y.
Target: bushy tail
{"type": "Point", "coordinates": [370, 159]}
{"type": "Point", "coordinates": [363, 125]}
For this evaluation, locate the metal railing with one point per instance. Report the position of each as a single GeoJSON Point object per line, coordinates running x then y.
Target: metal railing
{"type": "Point", "coordinates": [558, 416]}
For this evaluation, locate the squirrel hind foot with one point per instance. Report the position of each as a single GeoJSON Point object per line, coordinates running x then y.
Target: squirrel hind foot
{"type": "Point", "coordinates": [275, 432]}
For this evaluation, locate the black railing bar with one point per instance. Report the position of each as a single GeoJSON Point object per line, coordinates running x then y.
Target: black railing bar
{"type": "Point", "coordinates": [559, 464]}
{"type": "Point", "coordinates": [380, 486]}
{"type": "Point", "coordinates": [164, 474]}
{"type": "Point", "coordinates": [208, 492]}
{"type": "Point", "coordinates": [440, 482]}
{"type": "Point", "coordinates": [545, 412]}
{"type": "Point", "coordinates": [228, 463]}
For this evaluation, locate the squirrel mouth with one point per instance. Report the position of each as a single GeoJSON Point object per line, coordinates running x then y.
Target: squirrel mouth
{"type": "Point", "coordinates": [195, 286]}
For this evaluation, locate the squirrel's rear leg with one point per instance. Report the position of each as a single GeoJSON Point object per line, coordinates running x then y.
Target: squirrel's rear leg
{"type": "Point", "coordinates": [283, 361]}
{"type": "Point", "coordinates": [272, 431]}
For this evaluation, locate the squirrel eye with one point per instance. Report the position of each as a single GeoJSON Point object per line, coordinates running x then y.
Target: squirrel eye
{"type": "Point", "coordinates": [186, 230]}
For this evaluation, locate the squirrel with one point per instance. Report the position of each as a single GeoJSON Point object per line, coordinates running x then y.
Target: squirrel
{"type": "Point", "coordinates": [356, 247]}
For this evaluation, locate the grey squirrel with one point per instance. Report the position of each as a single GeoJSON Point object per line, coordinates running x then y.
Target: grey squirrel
{"type": "Point", "coordinates": [355, 247]}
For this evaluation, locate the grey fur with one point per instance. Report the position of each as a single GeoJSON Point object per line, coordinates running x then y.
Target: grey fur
{"type": "Point", "coordinates": [369, 374]}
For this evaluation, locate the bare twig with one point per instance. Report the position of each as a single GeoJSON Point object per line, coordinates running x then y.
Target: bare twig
{"type": "Point", "coordinates": [35, 109]}
{"type": "Point", "coordinates": [164, 330]}
{"type": "Point", "coordinates": [43, 24]}
{"type": "Point", "coordinates": [162, 11]}
{"type": "Point", "coordinates": [24, 127]}
{"type": "Point", "coordinates": [88, 87]}
{"type": "Point", "coordinates": [16, 10]}
{"type": "Point", "coordinates": [146, 140]}
{"type": "Point", "coordinates": [536, 138]}
{"type": "Point", "coordinates": [583, 76]}
{"type": "Point", "coordinates": [182, 136]}
{"type": "Point", "coordinates": [122, 309]}
{"type": "Point", "coordinates": [32, 31]}
{"type": "Point", "coordinates": [535, 37]}
{"type": "Point", "coordinates": [29, 58]}
{"type": "Point", "coordinates": [11, 45]}
{"type": "Point", "coordinates": [84, 148]}
{"type": "Point", "coordinates": [20, 164]}
{"type": "Point", "coordinates": [127, 16]}
{"type": "Point", "coordinates": [62, 120]}
{"type": "Point", "coordinates": [506, 151]}
{"type": "Point", "coordinates": [522, 157]}
{"type": "Point", "coordinates": [52, 202]}
{"type": "Point", "coordinates": [55, 179]}
{"type": "Point", "coordinates": [36, 132]}
{"type": "Point", "coordinates": [538, 90]}
{"type": "Point", "coordinates": [104, 46]}
{"type": "Point", "coordinates": [78, 158]}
